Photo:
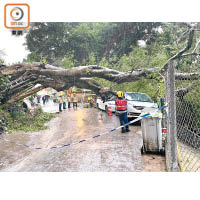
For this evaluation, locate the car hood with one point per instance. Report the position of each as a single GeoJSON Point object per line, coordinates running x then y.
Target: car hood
{"type": "Point", "coordinates": [110, 102]}
{"type": "Point", "coordinates": [140, 103]}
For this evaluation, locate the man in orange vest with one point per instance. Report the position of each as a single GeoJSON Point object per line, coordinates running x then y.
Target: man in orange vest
{"type": "Point", "coordinates": [121, 109]}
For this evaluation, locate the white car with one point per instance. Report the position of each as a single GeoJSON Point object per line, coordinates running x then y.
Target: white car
{"type": "Point", "coordinates": [100, 104]}
{"type": "Point", "coordinates": [136, 102]}
{"type": "Point", "coordinates": [108, 103]}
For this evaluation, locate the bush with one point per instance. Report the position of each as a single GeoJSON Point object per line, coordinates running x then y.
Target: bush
{"type": "Point", "coordinates": [23, 121]}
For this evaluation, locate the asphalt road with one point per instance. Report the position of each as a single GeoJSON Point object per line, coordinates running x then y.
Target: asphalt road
{"type": "Point", "coordinates": [115, 152]}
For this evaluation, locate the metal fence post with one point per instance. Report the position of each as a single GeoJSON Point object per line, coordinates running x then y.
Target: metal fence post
{"type": "Point", "coordinates": [171, 119]}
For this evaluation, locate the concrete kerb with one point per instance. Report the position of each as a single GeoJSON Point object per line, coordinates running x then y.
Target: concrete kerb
{"type": "Point", "coordinates": [180, 161]}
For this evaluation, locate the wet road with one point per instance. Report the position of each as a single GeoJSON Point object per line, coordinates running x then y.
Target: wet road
{"type": "Point", "coordinates": [112, 152]}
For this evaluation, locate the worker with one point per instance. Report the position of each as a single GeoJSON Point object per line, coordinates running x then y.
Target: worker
{"type": "Point", "coordinates": [90, 102]}
{"type": "Point", "coordinates": [64, 102]}
{"type": "Point", "coordinates": [75, 101]}
{"type": "Point", "coordinates": [54, 99]}
{"type": "Point", "coordinates": [24, 107]}
{"type": "Point", "coordinates": [60, 101]}
{"type": "Point", "coordinates": [121, 109]}
{"type": "Point", "coordinates": [69, 101]}
{"type": "Point", "coordinates": [38, 98]}
{"type": "Point", "coordinates": [44, 100]}
{"type": "Point", "coordinates": [160, 102]}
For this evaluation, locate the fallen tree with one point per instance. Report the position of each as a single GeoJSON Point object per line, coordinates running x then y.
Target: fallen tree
{"type": "Point", "coordinates": [24, 76]}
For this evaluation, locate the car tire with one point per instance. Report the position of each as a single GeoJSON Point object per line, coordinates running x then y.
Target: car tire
{"type": "Point", "coordinates": [143, 150]}
{"type": "Point", "coordinates": [97, 105]}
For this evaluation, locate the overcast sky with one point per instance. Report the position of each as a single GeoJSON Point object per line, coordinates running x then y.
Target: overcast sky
{"type": "Point", "coordinates": [12, 46]}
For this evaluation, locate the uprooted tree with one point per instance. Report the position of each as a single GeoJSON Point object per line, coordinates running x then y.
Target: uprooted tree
{"type": "Point", "coordinates": [23, 77]}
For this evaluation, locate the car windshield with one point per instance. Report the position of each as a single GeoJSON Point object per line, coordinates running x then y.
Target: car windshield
{"type": "Point", "coordinates": [138, 97]}
{"type": "Point", "coordinates": [112, 99]}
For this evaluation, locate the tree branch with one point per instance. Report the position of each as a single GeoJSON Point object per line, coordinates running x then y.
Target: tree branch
{"type": "Point", "coordinates": [23, 95]}
{"type": "Point", "coordinates": [62, 79]}
{"type": "Point", "coordinates": [187, 47]}
{"type": "Point", "coordinates": [183, 91]}
{"type": "Point", "coordinates": [187, 76]}
{"type": "Point", "coordinates": [193, 52]}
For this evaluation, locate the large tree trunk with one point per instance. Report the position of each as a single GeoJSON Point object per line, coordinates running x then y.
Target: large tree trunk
{"type": "Point", "coordinates": [26, 75]}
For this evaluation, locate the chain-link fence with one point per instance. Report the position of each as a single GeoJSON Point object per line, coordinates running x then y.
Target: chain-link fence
{"type": "Point", "coordinates": [188, 120]}
{"type": "Point", "coordinates": [187, 126]}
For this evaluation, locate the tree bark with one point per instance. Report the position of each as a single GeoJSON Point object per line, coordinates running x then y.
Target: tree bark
{"type": "Point", "coordinates": [23, 95]}
{"type": "Point", "coordinates": [30, 74]}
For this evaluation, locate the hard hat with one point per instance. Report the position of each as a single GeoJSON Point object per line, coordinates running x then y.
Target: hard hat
{"type": "Point", "coordinates": [120, 94]}
{"type": "Point", "coordinates": [61, 93]}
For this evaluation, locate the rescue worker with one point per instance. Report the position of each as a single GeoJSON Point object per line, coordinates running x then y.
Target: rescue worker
{"type": "Point", "coordinates": [44, 100]}
{"type": "Point", "coordinates": [64, 103]}
{"type": "Point", "coordinates": [24, 107]}
{"type": "Point", "coordinates": [121, 109]}
{"type": "Point", "coordinates": [38, 98]}
{"type": "Point", "coordinates": [60, 101]}
{"type": "Point", "coordinates": [75, 101]}
{"type": "Point", "coordinates": [69, 101]}
{"type": "Point", "coordinates": [90, 102]}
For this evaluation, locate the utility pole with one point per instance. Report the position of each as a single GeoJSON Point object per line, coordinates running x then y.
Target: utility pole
{"type": "Point", "coordinates": [171, 119]}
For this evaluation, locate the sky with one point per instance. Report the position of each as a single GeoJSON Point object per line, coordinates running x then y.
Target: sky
{"type": "Point", "coordinates": [12, 46]}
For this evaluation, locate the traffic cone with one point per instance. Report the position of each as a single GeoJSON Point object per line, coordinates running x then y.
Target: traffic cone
{"type": "Point", "coordinates": [109, 111]}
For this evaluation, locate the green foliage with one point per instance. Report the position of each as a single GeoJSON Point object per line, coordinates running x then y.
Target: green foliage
{"type": "Point", "coordinates": [54, 41]}
{"type": "Point", "coordinates": [105, 63]}
{"type": "Point", "coordinates": [136, 59]}
{"type": "Point", "coordinates": [74, 90]}
{"type": "Point", "coordinates": [68, 62]}
{"type": "Point", "coordinates": [92, 59]}
{"type": "Point", "coordinates": [43, 60]}
{"type": "Point", "coordinates": [118, 38]}
{"type": "Point", "coordinates": [189, 107]}
{"type": "Point", "coordinates": [32, 57]}
{"type": "Point", "coordinates": [113, 45]}
{"type": "Point", "coordinates": [32, 97]}
{"type": "Point", "coordinates": [1, 61]}
{"type": "Point", "coordinates": [22, 121]}
{"type": "Point", "coordinates": [4, 82]}
{"type": "Point", "coordinates": [139, 57]}
{"type": "Point", "coordinates": [150, 87]}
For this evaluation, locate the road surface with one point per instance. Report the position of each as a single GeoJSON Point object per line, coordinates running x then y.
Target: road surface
{"type": "Point", "coordinates": [115, 152]}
